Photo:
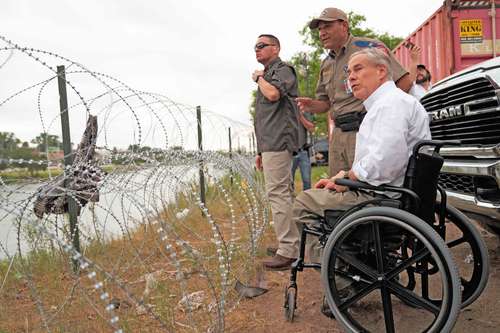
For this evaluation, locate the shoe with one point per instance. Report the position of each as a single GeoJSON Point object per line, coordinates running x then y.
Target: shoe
{"type": "Point", "coordinates": [278, 263]}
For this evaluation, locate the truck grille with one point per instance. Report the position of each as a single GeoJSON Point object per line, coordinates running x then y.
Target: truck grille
{"type": "Point", "coordinates": [457, 183]}
{"type": "Point", "coordinates": [468, 111]}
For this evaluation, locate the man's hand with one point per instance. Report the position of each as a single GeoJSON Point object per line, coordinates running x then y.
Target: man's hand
{"type": "Point", "coordinates": [340, 175]}
{"type": "Point", "coordinates": [256, 74]}
{"type": "Point", "coordinates": [415, 53]}
{"type": "Point", "coordinates": [307, 104]}
{"type": "Point", "coordinates": [304, 104]}
{"type": "Point", "coordinates": [258, 162]}
{"type": "Point", "coordinates": [307, 124]}
{"type": "Point", "coordinates": [329, 184]}
{"type": "Point", "coordinates": [324, 183]}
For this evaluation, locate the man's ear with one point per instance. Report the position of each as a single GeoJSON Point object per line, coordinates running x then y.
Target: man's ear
{"type": "Point", "coordinates": [382, 71]}
{"type": "Point", "coordinates": [346, 25]}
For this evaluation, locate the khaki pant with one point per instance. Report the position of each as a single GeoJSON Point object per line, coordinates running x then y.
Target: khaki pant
{"type": "Point", "coordinates": [310, 205]}
{"type": "Point", "coordinates": [277, 177]}
{"type": "Point", "coordinates": [341, 151]}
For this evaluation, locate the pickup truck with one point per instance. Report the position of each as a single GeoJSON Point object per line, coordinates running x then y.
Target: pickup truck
{"type": "Point", "coordinates": [466, 106]}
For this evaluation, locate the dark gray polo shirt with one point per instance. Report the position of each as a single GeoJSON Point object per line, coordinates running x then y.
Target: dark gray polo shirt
{"type": "Point", "coordinates": [276, 123]}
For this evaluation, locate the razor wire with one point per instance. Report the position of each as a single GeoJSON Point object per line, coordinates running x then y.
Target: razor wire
{"type": "Point", "coordinates": [153, 256]}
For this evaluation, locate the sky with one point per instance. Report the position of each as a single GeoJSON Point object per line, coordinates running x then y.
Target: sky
{"type": "Point", "coordinates": [193, 52]}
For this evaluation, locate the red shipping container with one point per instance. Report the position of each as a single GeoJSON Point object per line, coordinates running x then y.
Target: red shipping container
{"type": "Point", "coordinates": [459, 34]}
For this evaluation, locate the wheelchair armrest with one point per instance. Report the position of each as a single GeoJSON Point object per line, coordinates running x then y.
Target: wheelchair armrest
{"type": "Point", "coordinates": [357, 185]}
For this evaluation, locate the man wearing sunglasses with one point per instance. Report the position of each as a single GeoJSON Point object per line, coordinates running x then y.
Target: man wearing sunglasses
{"type": "Point", "coordinates": [276, 129]}
{"type": "Point", "coordinates": [333, 92]}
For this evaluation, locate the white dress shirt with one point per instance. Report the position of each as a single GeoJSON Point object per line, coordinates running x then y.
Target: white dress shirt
{"type": "Point", "coordinates": [417, 91]}
{"type": "Point", "coordinates": [394, 123]}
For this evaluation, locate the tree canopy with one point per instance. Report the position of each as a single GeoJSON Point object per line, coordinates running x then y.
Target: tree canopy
{"type": "Point", "coordinates": [45, 141]}
{"type": "Point", "coordinates": [25, 157]}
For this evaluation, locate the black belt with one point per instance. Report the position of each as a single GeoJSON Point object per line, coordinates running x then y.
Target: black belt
{"type": "Point", "coordinates": [349, 122]}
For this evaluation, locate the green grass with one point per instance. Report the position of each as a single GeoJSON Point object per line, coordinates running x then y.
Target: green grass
{"type": "Point", "coordinates": [317, 172]}
{"type": "Point", "coordinates": [24, 174]}
{"type": "Point", "coordinates": [20, 174]}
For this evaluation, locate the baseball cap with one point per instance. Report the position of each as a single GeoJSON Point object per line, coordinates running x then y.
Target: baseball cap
{"type": "Point", "coordinates": [328, 15]}
{"type": "Point", "coordinates": [422, 66]}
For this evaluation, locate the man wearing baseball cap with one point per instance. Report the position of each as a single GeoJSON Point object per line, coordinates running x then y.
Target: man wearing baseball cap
{"type": "Point", "coordinates": [333, 92]}
{"type": "Point", "coordinates": [419, 74]}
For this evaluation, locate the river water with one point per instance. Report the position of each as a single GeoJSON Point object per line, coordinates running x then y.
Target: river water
{"type": "Point", "coordinates": [126, 200]}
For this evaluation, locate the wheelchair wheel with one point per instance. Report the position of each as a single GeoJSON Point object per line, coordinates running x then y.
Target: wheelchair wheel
{"type": "Point", "coordinates": [366, 268]}
{"type": "Point", "coordinates": [290, 303]}
{"type": "Point", "coordinates": [467, 247]}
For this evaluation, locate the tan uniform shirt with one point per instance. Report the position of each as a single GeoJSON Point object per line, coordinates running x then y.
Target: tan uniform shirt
{"type": "Point", "coordinates": [332, 87]}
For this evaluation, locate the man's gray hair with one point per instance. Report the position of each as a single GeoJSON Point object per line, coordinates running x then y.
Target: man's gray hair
{"type": "Point", "coordinates": [376, 57]}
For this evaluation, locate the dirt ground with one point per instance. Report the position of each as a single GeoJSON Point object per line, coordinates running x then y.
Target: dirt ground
{"type": "Point", "coordinates": [265, 313]}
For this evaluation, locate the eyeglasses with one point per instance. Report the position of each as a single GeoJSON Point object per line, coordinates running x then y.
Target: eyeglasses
{"type": "Point", "coordinates": [260, 46]}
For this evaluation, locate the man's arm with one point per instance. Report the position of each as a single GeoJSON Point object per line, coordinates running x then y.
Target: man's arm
{"type": "Point", "coordinates": [415, 52]}
{"type": "Point", "coordinates": [400, 74]}
{"type": "Point", "coordinates": [404, 83]}
{"type": "Point", "coordinates": [268, 90]}
{"type": "Point", "coordinates": [307, 104]}
{"type": "Point", "coordinates": [309, 125]}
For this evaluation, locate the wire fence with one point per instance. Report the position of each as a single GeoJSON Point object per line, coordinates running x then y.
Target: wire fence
{"type": "Point", "coordinates": [151, 256]}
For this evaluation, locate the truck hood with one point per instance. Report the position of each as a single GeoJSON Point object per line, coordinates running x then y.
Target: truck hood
{"type": "Point", "coordinates": [491, 66]}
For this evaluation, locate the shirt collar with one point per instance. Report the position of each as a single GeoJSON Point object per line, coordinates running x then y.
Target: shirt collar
{"type": "Point", "coordinates": [332, 54]}
{"type": "Point", "coordinates": [378, 93]}
{"type": "Point", "coordinates": [272, 63]}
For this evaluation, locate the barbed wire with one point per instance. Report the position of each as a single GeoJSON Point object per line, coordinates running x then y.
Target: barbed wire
{"type": "Point", "coordinates": [152, 256]}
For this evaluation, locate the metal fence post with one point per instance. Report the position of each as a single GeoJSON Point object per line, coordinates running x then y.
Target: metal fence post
{"type": "Point", "coordinates": [68, 160]}
{"type": "Point", "coordinates": [200, 148]}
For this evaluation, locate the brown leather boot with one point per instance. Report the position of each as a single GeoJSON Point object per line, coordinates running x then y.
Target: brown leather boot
{"type": "Point", "coordinates": [278, 263]}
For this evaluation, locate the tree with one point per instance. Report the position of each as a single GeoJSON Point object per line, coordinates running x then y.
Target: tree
{"type": "Point", "coordinates": [307, 64]}
{"type": "Point", "coordinates": [45, 141]}
{"type": "Point", "coordinates": [8, 142]}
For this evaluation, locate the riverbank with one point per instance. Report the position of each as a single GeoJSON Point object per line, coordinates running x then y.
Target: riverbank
{"type": "Point", "coordinates": [147, 273]}
{"type": "Point", "coordinates": [171, 271]}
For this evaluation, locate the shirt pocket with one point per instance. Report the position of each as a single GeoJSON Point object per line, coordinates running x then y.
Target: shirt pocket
{"type": "Point", "coordinates": [327, 76]}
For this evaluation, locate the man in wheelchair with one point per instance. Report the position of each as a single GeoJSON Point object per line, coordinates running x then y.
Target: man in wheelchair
{"type": "Point", "coordinates": [365, 250]}
{"type": "Point", "coordinates": [394, 123]}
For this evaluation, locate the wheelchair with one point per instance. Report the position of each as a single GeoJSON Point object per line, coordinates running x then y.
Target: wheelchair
{"type": "Point", "coordinates": [389, 264]}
